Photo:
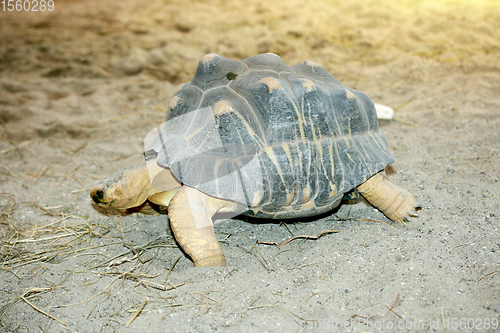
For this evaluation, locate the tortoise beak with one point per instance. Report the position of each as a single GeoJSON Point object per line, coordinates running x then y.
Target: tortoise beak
{"type": "Point", "coordinates": [97, 195]}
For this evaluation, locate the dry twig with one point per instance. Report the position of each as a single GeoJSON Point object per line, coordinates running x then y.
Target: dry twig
{"type": "Point", "coordinates": [8, 150]}
{"type": "Point", "coordinates": [138, 312]}
{"type": "Point", "coordinates": [299, 236]}
{"type": "Point", "coordinates": [485, 275]}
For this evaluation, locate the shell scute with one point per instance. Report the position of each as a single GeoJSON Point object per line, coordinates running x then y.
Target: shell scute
{"type": "Point", "coordinates": [187, 99]}
{"type": "Point", "coordinates": [215, 71]}
{"type": "Point", "coordinates": [267, 61]}
{"type": "Point", "coordinates": [314, 71]}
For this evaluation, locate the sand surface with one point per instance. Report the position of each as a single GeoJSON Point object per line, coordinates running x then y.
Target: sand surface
{"type": "Point", "coordinates": [82, 85]}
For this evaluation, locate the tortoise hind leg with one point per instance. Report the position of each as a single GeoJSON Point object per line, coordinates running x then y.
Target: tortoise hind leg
{"type": "Point", "coordinates": [190, 213]}
{"type": "Point", "coordinates": [396, 203]}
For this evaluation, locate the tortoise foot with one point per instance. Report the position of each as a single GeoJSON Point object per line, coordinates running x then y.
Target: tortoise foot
{"type": "Point", "coordinates": [219, 260]}
{"type": "Point", "coordinates": [396, 203]}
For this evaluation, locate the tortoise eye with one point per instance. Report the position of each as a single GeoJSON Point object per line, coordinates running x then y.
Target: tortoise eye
{"type": "Point", "coordinates": [231, 76]}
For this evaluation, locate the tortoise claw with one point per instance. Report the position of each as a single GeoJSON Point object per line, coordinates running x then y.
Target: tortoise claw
{"type": "Point", "coordinates": [413, 213]}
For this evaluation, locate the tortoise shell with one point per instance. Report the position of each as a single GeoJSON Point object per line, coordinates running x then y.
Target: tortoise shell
{"type": "Point", "coordinates": [285, 142]}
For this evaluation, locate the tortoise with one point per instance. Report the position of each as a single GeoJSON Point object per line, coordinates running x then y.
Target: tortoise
{"type": "Point", "coordinates": [266, 140]}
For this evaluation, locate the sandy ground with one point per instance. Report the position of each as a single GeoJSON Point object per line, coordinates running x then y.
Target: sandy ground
{"type": "Point", "coordinates": [82, 85]}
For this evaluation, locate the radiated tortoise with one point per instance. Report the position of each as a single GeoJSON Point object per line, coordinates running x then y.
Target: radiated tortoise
{"type": "Point", "coordinates": [259, 138]}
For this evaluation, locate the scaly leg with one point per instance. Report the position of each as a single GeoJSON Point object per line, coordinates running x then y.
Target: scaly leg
{"type": "Point", "coordinates": [396, 203]}
{"type": "Point", "coordinates": [190, 212]}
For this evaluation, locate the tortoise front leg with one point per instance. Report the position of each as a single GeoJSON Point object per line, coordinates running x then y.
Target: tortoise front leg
{"type": "Point", "coordinates": [190, 212]}
{"type": "Point", "coordinates": [396, 203]}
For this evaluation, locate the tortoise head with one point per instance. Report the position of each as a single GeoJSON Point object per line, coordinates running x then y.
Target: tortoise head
{"type": "Point", "coordinates": [126, 188]}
